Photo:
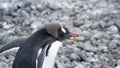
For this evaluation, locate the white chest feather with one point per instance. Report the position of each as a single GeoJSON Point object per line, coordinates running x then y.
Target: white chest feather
{"type": "Point", "coordinates": [49, 60]}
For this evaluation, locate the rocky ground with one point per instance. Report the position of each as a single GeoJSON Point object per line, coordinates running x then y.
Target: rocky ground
{"type": "Point", "coordinates": [96, 21]}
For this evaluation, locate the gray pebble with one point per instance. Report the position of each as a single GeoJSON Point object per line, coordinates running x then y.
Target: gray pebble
{"type": "Point", "coordinates": [83, 56]}
{"type": "Point", "coordinates": [115, 41]}
{"type": "Point", "coordinates": [27, 9]}
{"type": "Point", "coordinates": [116, 36]}
{"type": "Point", "coordinates": [103, 59]}
{"type": "Point", "coordinates": [68, 65]}
{"type": "Point", "coordinates": [6, 8]}
{"type": "Point", "coordinates": [65, 59]}
{"type": "Point", "coordinates": [23, 13]}
{"type": "Point", "coordinates": [74, 57]}
{"type": "Point", "coordinates": [92, 59]}
{"type": "Point", "coordinates": [79, 66]}
{"type": "Point", "coordinates": [117, 5]}
{"type": "Point", "coordinates": [41, 7]}
{"type": "Point", "coordinates": [101, 4]}
{"type": "Point", "coordinates": [19, 20]}
{"type": "Point", "coordinates": [106, 66]}
{"type": "Point", "coordinates": [86, 34]}
{"type": "Point", "coordinates": [97, 35]}
{"type": "Point", "coordinates": [59, 65]}
{"type": "Point", "coordinates": [110, 23]}
{"type": "Point", "coordinates": [89, 47]}
{"type": "Point", "coordinates": [112, 46]}
{"type": "Point", "coordinates": [18, 3]}
{"type": "Point", "coordinates": [118, 62]}
{"type": "Point", "coordinates": [117, 23]}
{"type": "Point", "coordinates": [113, 29]}
{"type": "Point", "coordinates": [118, 66]}
{"type": "Point", "coordinates": [8, 19]}
{"type": "Point", "coordinates": [106, 36]}
{"type": "Point", "coordinates": [77, 24]}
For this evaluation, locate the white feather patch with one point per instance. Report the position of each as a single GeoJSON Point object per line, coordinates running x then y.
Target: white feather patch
{"type": "Point", "coordinates": [49, 60]}
{"type": "Point", "coordinates": [63, 29]}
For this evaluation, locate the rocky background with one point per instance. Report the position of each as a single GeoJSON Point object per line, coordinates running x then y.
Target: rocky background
{"type": "Point", "coordinates": [96, 21]}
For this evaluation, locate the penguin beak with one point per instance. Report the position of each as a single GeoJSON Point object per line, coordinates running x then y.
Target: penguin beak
{"type": "Point", "coordinates": [74, 35]}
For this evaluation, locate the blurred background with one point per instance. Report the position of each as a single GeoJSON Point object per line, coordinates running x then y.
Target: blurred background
{"type": "Point", "coordinates": [96, 21]}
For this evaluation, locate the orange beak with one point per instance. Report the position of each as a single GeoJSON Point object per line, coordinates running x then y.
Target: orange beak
{"type": "Point", "coordinates": [73, 35]}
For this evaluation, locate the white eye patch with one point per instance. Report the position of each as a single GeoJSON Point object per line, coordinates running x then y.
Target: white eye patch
{"type": "Point", "coordinates": [63, 29]}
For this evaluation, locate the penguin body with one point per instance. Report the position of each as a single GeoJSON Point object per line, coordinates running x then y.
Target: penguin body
{"type": "Point", "coordinates": [40, 49]}
{"type": "Point", "coordinates": [27, 55]}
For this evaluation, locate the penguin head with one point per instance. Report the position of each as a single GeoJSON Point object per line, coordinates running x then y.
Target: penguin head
{"type": "Point", "coordinates": [58, 31]}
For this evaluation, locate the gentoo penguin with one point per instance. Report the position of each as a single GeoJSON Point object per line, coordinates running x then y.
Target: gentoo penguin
{"type": "Point", "coordinates": [40, 49]}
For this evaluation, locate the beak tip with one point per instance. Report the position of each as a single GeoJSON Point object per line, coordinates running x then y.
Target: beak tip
{"type": "Point", "coordinates": [74, 35]}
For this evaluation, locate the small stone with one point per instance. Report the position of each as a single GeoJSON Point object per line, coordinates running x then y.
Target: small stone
{"type": "Point", "coordinates": [117, 66]}
{"type": "Point", "coordinates": [86, 34]}
{"type": "Point", "coordinates": [83, 56]}
{"type": "Point", "coordinates": [68, 65]}
{"type": "Point", "coordinates": [112, 46]}
{"type": "Point", "coordinates": [113, 29]}
{"type": "Point", "coordinates": [18, 4]}
{"type": "Point", "coordinates": [102, 46]}
{"type": "Point", "coordinates": [80, 38]}
{"type": "Point", "coordinates": [18, 20]}
{"type": "Point", "coordinates": [27, 9]}
{"type": "Point", "coordinates": [6, 8]}
{"type": "Point", "coordinates": [93, 58]}
{"type": "Point", "coordinates": [117, 23]}
{"type": "Point", "coordinates": [103, 59]}
{"type": "Point", "coordinates": [59, 65]}
{"type": "Point", "coordinates": [77, 24]}
{"type": "Point", "coordinates": [106, 36]}
{"type": "Point", "coordinates": [65, 59]}
{"type": "Point", "coordinates": [116, 36]}
{"type": "Point", "coordinates": [89, 47]}
{"type": "Point", "coordinates": [40, 7]}
{"type": "Point", "coordinates": [115, 41]}
{"type": "Point", "coordinates": [110, 23]}
{"type": "Point", "coordinates": [118, 62]}
{"type": "Point", "coordinates": [33, 7]}
{"type": "Point", "coordinates": [106, 66]}
{"type": "Point", "coordinates": [74, 56]}
{"type": "Point", "coordinates": [117, 5]}
{"type": "Point", "coordinates": [23, 13]}
{"type": "Point", "coordinates": [101, 4]}
{"type": "Point", "coordinates": [8, 19]}
{"type": "Point", "coordinates": [79, 66]}
{"type": "Point", "coordinates": [97, 35]}
{"type": "Point", "coordinates": [35, 13]}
